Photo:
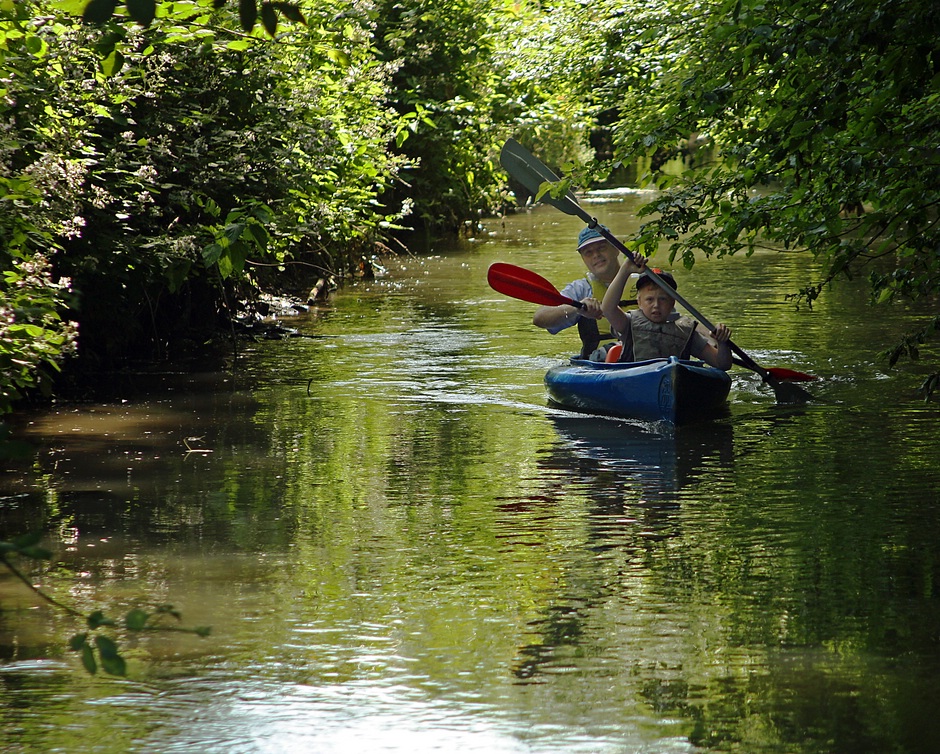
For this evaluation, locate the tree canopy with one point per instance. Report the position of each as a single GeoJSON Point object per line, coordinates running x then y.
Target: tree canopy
{"type": "Point", "coordinates": [822, 122]}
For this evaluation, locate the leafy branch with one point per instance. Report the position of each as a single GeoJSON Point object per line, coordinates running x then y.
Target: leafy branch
{"type": "Point", "coordinates": [96, 649]}
{"type": "Point", "coordinates": [144, 12]}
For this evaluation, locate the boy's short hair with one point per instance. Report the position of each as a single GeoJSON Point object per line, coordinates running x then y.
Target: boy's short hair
{"type": "Point", "coordinates": [645, 280]}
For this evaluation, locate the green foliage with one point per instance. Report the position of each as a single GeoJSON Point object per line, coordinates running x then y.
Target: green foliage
{"type": "Point", "coordinates": [96, 649]}
{"type": "Point", "coordinates": [823, 123]}
{"type": "Point", "coordinates": [176, 163]}
{"type": "Point", "coordinates": [34, 336]}
{"type": "Point", "coordinates": [145, 11]}
{"type": "Point", "coordinates": [443, 88]}
{"type": "Point", "coordinates": [543, 57]}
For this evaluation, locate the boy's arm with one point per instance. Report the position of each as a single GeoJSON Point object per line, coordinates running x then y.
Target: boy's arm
{"type": "Point", "coordinates": [713, 347]}
{"type": "Point", "coordinates": [610, 306]}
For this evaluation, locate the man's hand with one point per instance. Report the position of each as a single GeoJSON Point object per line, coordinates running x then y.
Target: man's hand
{"type": "Point", "coordinates": [592, 308]}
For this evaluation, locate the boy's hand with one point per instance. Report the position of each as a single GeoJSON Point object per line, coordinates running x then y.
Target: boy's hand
{"type": "Point", "coordinates": [638, 266]}
{"type": "Point", "coordinates": [721, 333]}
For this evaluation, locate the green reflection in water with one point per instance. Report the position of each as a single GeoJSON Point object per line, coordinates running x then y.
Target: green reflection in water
{"type": "Point", "coordinates": [401, 547]}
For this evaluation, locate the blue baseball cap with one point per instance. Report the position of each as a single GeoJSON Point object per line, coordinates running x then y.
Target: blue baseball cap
{"type": "Point", "coordinates": [591, 235]}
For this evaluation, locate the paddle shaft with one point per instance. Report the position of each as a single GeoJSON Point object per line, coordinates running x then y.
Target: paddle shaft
{"type": "Point", "coordinates": [569, 205]}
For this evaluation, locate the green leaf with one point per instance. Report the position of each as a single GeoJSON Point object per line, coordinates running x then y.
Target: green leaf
{"type": "Point", "coordinates": [259, 235]}
{"type": "Point", "coordinates": [237, 254]}
{"type": "Point", "coordinates": [107, 647]}
{"type": "Point", "coordinates": [211, 254]}
{"type": "Point", "coordinates": [37, 553]}
{"type": "Point", "coordinates": [169, 610]}
{"type": "Point", "coordinates": [247, 14]}
{"type": "Point", "coordinates": [176, 273]}
{"type": "Point", "coordinates": [78, 641]}
{"type": "Point", "coordinates": [269, 18]}
{"type": "Point", "coordinates": [88, 659]}
{"type": "Point", "coordinates": [27, 540]}
{"type": "Point", "coordinates": [291, 12]}
{"type": "Point", "coordinates": [136, 619]}
{"type": "Point", "coordinates": [111, 660]}
{"type": "Point", "coordinates": [233, 231]}
{"type": "Point", "coordinates": [98, 619]}
{"type": "Point", "coordinates": [801, 128]}
{"type": "Point", "coordinates": [142, 11]}
{"type": "Point", "coordinates": [112, 64]}
{"type": "Point", "coordinates": [114, 665]}
{"type": "Point", "coordinates": [225, 266]}
{"type": "Point", "coordinates": [36, 46]}
{"type": "Point", "coordinates": [99, 12]}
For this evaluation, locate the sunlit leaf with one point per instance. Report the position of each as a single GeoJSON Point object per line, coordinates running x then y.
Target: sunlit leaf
{"type": "Point", "coordinates": [36, 45]}
{"type": "Point", "coordinates": [112, 64]}
{"type": "Point", "coordinates": [225, 266]}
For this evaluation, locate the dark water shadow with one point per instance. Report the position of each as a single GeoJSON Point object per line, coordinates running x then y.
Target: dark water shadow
{"type": "Point", "coordinates": [659, 456]}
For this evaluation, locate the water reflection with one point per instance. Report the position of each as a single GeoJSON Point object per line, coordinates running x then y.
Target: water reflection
{"type": "Point", "coordinates": [631, 476]}
{"type": "Point", "coordinates": [401, 546]}
{"type": "Point", "coordinates": [659, 457]}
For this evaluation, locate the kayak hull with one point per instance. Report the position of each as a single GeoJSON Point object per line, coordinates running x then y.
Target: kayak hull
{"type": "Point", "coordinates": [670, 390]}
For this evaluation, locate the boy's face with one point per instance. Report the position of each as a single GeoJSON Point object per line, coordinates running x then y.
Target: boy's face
{"type": "Point", "coordinates": [655, 303]}
{"type": "Point", "coordinates": [601, 259]}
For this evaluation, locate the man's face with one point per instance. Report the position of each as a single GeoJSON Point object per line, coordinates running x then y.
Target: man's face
{"type": "Point", "coordinates": [655, 303]}
{"type": "Point", "coordinates": [601, 259]}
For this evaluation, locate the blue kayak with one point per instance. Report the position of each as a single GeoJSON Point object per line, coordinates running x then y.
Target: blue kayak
{"type": "Point", "coordinates": [670, 390]}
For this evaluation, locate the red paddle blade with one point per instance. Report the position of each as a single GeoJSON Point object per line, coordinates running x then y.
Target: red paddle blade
{"type": "Point", "coordinates": [782, 373]}
{"type": "Point", "coordinates": [525, 285]}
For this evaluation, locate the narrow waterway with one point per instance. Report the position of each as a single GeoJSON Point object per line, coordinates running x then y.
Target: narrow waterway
{"type": "Point", "coordinates": [400, 547]}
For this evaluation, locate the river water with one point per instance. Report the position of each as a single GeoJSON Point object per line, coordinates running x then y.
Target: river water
{"type": "Point", "coordinates": [401, 547]}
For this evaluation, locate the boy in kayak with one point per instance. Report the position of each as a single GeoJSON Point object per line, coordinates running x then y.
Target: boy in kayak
{"type": "Point", "coordinates": [655, 330]}
{"type": "Point", "coordinates": [602, 262]}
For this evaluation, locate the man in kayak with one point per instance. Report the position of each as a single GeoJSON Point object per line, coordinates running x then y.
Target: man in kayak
{"type": "Point", "coordinates": [602, 262]}
{"type": "Point", "coordinates": [655, 330]}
